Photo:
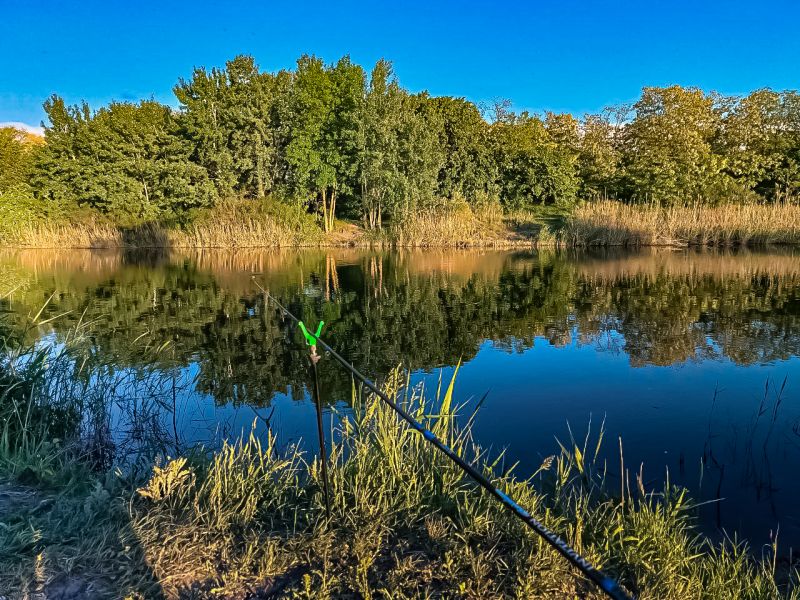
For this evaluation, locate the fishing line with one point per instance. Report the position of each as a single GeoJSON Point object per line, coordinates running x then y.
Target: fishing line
{"type": "Point", "coordinates": [607, 584]}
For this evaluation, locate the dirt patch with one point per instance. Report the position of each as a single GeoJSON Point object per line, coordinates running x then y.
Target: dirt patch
{"type": "Point", "coordinates": [21, 506]}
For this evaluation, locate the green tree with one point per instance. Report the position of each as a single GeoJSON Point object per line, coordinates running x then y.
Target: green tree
{"type": "Point", "coordinates": [759, 143]}
{"type": "Point", "coordinates": [533, 167]}
{"type": "Point", "coordinates": [250, 138]}
{"type": "Point", "coordinates": [126, 160]}
{"type": "Point", "coordinates": [468, 170]}
{"type": "Point", "coordinates": [230, 117]}
{"type": "Point", "coordinates": [599, 156]}
{"type": "Point", "coordinates": [324, 131]}
{"type": "Point", "coordinates": [419, 154]}
{"type": "Point", "coordinates": [17, 150]}
{"type": "Point", "coordinates": [401, 149]}
{"type": "Point", "coordinates": [204, 101]}
{"type": "Point", "coordinates": [668, 154]}
{"type": "Point", "coordinates": [379, 175]}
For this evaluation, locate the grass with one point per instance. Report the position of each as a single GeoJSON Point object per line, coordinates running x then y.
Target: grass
{"type": "Point", "coordinates": [248, 520]}
{"type": "Point", "coordinates": [457, 225]}
{"type": "Point", "coordinates": [240, 223]}
{"type": "Point", "coordinates": [484, 225]}
{"type": "Point", "coordinates": [231, 224]}
{"type": "Point", "coordinates": [248, 224]}
{"type": "Point", "coordinates": [612, 223]}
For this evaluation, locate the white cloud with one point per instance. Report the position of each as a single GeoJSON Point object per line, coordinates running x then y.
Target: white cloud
{"type": "Point", "coordinates": [24, 127]}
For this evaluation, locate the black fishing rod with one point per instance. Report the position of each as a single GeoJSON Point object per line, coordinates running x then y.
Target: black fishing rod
{"type": "Point", "coordinates": [608, 585]}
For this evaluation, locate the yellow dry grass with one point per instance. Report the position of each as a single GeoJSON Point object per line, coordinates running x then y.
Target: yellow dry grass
{"type": "Point", "coordinates": [456, 227]}
{"type": "Point", "coordinates": [612, 223]}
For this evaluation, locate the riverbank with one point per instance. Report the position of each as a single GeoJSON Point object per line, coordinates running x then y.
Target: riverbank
{"type": "Point", "coordinates": [618, 224]}
{"type": "Point", "coordinates": [270, 224]}
{"type": "Point", "coordinates": [248, 521]}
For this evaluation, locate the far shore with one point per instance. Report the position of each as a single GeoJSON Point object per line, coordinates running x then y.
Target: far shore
{"type": "Point", "coordinates": [600, 224]}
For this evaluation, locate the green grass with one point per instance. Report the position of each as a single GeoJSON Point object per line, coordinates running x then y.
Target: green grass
{"type": "Point", "coordinates": [248, 520]}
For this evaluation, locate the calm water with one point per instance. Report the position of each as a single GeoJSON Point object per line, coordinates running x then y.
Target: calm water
{"type": "Point", "coordinates": [682, 354]}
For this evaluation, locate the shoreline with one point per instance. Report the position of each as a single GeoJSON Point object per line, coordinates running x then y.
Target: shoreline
{"type": "Point", "coordinates": [590, 225]}
{"type": "Point", "coordinates": [500, 245]}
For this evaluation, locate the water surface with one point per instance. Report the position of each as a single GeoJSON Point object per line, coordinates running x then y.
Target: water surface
{"type": "Point", "coordinates": [681, 354]}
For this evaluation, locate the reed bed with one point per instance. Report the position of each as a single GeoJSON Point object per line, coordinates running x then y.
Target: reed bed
{"type": "Point", "coordinates": [249, 224]}
{"type": "Point", "coordinates": [458, 226]}
{"type": "Point", "coordinates": [231, 224]}
{"type": "Point", "coordinates": [57, 234]}
{"type": "Point", "coordinates": [612, 223]}
{"type": "Point", "coordinates": [227, 231]}
{"type": "Point", "coordinates": [270, 224]}
{"type": "Point", "coordinates": [248, 520]}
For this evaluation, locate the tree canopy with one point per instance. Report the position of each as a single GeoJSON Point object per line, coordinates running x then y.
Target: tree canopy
{"type": "Point", "coordinates": [345, 143]}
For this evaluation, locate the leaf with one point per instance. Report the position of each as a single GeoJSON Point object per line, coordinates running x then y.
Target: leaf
{"type": "Point", "coordinates": [448, 396]}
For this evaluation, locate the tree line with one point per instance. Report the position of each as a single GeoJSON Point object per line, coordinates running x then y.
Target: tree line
{"type": "Point", "coordinates": [344, 143]}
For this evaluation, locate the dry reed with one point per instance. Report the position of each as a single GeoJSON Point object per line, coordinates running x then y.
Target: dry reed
{"type": "Point", "coordinates": [456, 227]}
{"type": "Point", "coordinates": [612, 223]}
{"type": "Point", "coordinates": [609, 223]}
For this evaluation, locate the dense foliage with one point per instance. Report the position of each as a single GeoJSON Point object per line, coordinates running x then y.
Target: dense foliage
{"type": "Point", "coordinates": [344, 143]}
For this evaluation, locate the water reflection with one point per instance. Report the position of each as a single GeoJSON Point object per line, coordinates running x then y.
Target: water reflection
{"type": "Point", "coordinates": [673, 348]}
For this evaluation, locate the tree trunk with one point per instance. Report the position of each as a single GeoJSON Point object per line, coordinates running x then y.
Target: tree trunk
{"type": "Point", "coordinates": [259, 172]}
{"type": "Point", "coordinates": [324, 210]}
{"type": "Point", "coordinates": [332, 210]}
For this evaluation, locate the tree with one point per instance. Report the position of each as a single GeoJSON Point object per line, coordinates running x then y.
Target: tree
{"type": "Point", "coordinates": [342, 132]}
{"type": "Point", "coordinates": [533, 167]}
{"type": "Point", "coordinates": [126, 160]}
{"type": "Point", "coordinates": [230, 116]}
{"type": "Point", "coordinates": [379, 173]}
{"type": "Point", "coordinates": [204, 102]}
{"type": "Point", "coordinates": [599, 156]}
{"type": "Point", "coordinates": [420, 157]}
{"type": "Point", "coordinates": [17, 151]}
{"type": "Point", "coordinates": [467, 171]}
{"type": "Point", "coordinates": [758, 140]}
{"type": "Point", "coordinates": [668, 155]}
{"type": "Point", "coordinates": [247, 121]}
{"type": "Point", "coordinates": [324, 131]}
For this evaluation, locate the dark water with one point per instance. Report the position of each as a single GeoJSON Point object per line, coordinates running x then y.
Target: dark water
{"type": "Point", "coordinates": [682, 354]}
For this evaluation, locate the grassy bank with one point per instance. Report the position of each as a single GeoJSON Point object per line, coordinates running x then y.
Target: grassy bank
{"type": "Point", "coordinates": [231, 224]}
{"type": "Point", "coordinates": [266, 223]}
{"type": "Point", "coordinates": [80, 518]}
{"type": "Point", "coordinates": [617, 224]}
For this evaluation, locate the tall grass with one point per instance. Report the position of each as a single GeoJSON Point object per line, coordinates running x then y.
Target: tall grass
{"type": "Point", "coordinates": [612, 223]}
{"type": "Point", "coordinates": [249, 224]}
{"type": "Point", "coordinates": [406, 524]}
{"type": "Point", "coordinates": [245, 223]}
{"type": "Point", "coordinates": [459, 225]}
{"type": "Point", "coordinates": [233, 223]}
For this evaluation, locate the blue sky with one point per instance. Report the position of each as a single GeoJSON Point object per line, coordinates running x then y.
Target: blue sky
{"type": "Point", "coordinates": [560, 55]}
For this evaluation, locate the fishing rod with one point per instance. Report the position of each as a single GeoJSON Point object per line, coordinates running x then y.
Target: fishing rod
{"type": "Point", "coordinates": [607, 584]}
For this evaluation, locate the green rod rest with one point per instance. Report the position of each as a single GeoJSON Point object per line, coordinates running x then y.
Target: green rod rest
{"type": "Point", "coordinates": [311, 338]}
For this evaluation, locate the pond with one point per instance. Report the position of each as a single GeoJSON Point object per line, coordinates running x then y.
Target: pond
{"type": "Point", "coordinates": [689, 360]}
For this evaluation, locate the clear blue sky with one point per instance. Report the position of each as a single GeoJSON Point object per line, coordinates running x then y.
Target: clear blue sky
{"type": "Point", "coordinates": [561, 55]}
